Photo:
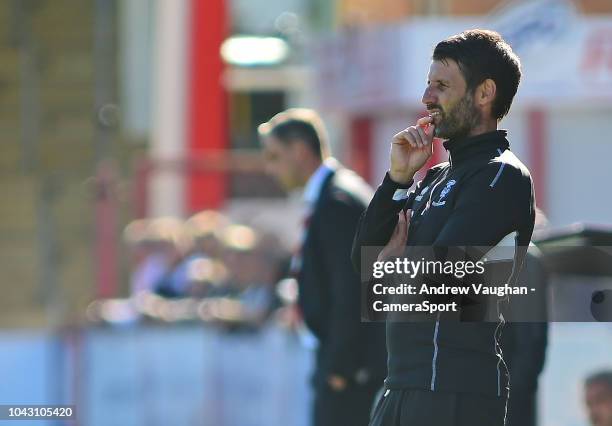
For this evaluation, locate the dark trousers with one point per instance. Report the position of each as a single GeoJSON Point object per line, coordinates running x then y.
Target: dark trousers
{"type": "Point", "coordinates": [350, 407]}
{"type": "Point", "coordinates": [419, 407]}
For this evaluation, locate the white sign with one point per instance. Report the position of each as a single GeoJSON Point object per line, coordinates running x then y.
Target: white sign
{"type": "Point", "coordinates": [387, 67]}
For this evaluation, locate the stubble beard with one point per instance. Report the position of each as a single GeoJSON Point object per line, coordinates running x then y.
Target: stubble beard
{"type": "Point", "coordinates": [459, 121]}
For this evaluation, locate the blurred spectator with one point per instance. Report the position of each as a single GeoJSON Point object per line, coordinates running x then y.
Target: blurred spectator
{"type": "Point", "coordinates": [598, 398]}
{"type": "Point", "coordinates": [254, 265]}
{"type": "Point", "coordinates": [198, 264]}
{"type": "Point", "coordinates": [205, 229]}
{"type": "Point", "coordinates": [205, 268]}
{"type": "Point", "coordinates": [153, 245]}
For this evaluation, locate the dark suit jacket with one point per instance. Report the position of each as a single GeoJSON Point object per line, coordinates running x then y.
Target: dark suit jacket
{"type": "Point", "coordinates": [330, 287]}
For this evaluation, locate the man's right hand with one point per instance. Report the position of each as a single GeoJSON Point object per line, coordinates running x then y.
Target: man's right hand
{"type": "Point", "coordinates": [410, 150]}
{"type": "Point", "coordinates": [397, 243]}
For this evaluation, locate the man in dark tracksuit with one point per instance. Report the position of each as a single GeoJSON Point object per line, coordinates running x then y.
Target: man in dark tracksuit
{"type": "Point", "coordinates": [451, 373]}
{"type": "Point", "coordinates": [351, 356]}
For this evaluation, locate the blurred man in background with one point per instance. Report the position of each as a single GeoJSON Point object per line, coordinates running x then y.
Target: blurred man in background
{"type": "Point", "coordinates": [351, 356]}
{"type": "Point", "coordinates": [598, 398]}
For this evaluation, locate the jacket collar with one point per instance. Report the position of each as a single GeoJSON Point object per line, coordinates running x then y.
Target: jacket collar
{"type": "Point", "coordinates": [463, 149]}
{"type": "Point", "coordinates": [316, 182]}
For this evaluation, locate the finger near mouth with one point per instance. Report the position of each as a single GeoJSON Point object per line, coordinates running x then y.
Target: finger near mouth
{"type": "Point", "coordinates": [435, 116]}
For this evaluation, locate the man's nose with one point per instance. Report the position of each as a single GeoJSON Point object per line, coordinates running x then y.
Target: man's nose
{"type": "Point", "coordinates": [428, 96]}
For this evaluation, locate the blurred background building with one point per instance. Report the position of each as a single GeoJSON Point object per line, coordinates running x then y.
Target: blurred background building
{"type": "Point", "coordinates": [117, 110]}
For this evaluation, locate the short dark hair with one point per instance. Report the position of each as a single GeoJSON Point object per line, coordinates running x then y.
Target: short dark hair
{"type": "Point", "coordinates": [483, 54]}
{"type": "Point", "coordinates": [298, 124]}
{"type": "Point", "coordinates": [603, 377]}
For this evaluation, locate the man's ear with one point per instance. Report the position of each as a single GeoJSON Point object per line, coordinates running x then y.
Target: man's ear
{"type": "Point", "coordinates": [485, 92]}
